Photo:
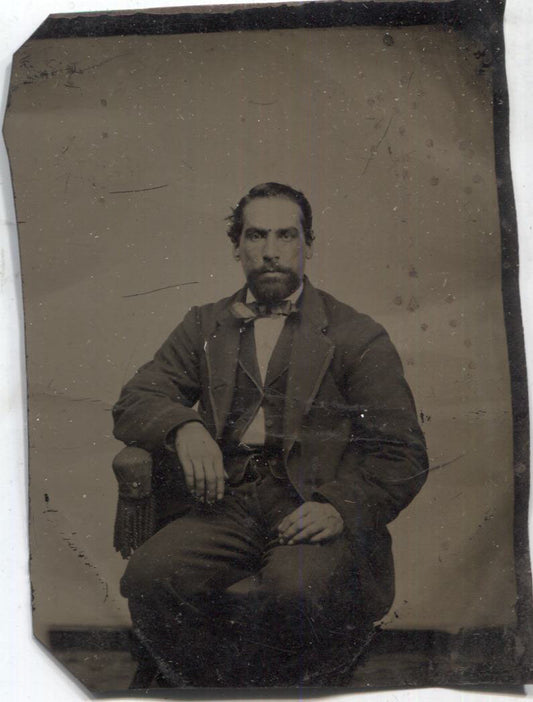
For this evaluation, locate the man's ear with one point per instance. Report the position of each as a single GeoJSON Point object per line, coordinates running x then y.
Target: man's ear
{"type": "Point", "coordinates": [309, 251]}
{"type": "Point", "coordinates": [236, 252]}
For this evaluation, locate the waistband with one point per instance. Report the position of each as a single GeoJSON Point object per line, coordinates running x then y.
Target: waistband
{"type": "Point", "coordinates": [248, 463]}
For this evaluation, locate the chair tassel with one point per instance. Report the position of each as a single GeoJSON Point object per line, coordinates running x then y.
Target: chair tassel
{"type": "Point", "coordinates": [134, 523]}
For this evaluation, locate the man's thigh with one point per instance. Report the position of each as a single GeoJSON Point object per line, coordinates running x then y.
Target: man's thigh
{"type": "Point", "coordinates": [303, 595]}
{"type": "Point", "coordinates": [304, 573]}
{"type": "Point", "coordinates": [202, 552]}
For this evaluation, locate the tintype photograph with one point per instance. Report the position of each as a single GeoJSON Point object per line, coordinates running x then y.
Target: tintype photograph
{"type": "Point", "coordinates": [277, 399]}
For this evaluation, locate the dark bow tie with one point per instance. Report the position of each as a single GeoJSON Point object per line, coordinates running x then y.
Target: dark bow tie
{"type": "Point", "coordinates": [255, 310]}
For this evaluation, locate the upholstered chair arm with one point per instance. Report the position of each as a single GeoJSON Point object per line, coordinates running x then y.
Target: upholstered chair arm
{"type": "Point", "coordinates": [135, 518]}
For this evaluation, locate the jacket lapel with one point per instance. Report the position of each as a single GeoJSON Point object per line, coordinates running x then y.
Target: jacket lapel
{"type": "Point", "coordinates": [310, 357]}
{"type": "Point", "coordinates": [248, 356]}
{"type": "Point", "coordinates": [222, 355]}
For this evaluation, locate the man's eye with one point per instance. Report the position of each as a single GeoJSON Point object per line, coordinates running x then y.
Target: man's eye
{"type": "Point", "coordinates": [254, 235]}
{"type": "Point", "coordinates": [288, 235]}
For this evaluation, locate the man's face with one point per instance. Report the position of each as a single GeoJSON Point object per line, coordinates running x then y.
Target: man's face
{"type": "Point", "coordinates": [272, 248]}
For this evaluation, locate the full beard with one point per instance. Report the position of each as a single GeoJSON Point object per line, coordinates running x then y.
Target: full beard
{"type": "Point", "coordinates": [273, 290]}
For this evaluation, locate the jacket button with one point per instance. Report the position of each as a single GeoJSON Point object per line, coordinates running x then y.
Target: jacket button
{"type": "Point", "coordinates": [268, 423]}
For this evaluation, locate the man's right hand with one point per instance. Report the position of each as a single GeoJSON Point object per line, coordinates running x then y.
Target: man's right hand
{"type": "Point", "coordinates": [201, 460]}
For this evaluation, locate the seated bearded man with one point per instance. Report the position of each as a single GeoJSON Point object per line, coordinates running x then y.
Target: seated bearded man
{"type": "Point", "coordinates": [304, 444]}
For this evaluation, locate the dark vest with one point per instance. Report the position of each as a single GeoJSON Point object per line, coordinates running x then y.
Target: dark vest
{"type": "Point", "coordinates": [250, 394]}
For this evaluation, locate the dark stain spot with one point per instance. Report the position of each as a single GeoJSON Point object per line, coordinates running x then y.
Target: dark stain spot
{"type": "Point", "coordinates": [413, 273]}
{"type": "Point", "coordinates": [104, 135]}
{"type": "Point", "coordinates": [46, 497]}
{"type": "Point", "coordinates": [425, 418]}
{"type": "Point", "coordinates": [401, 130]}
{"type": "Point", "coordinates": [434, 180]}
{"type": "Point", "coordinates": [424, 326]}
{"type": "Point", "coordinates": [398, 300]}
{"type": "Point", "coordinates": [453, 323]}
{"type": "Point", "coordinates": [449, 298]}
{"type": "Point", "coordinates": [429, 143]}
{"type": "Point", "coordinates": [472, 365]}
{"type": "Point", "coordinates": [468, 343]}
{"type": "Point", "coordinates": [477, 178]}
{"type": "Point", "coordinates": [103, 102]}
{"type": "Point", "coordinates": [413, 304]}
{"type": "Point", "coordinates": [388, 39]}
{"type": "Point", "coordinates": [410, 361]}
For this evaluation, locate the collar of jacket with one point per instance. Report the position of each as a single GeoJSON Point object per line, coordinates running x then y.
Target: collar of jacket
{"type": "Point", "coordinates": [310, 357]}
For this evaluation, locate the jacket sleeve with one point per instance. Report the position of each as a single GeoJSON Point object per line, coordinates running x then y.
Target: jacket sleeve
{"type": "Point", "coordinates": [385, 463]}
{"type": "Point", "coordinates": [161, 394]}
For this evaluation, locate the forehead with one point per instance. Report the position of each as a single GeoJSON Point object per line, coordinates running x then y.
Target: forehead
{"type": "Point", "coordinates": [272, 213]}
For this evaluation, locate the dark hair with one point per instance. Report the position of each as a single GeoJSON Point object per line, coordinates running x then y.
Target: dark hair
{"type": "Point", "coordinates": [271, 190]}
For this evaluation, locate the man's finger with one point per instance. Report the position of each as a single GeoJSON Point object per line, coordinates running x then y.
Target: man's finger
{"type": "Point", "coordinates": [188, 471]}
{"type": "Point", "coordinates": [210, 480]}
{"type": "Point", "coordinates": [299, 512]}
{"type": "Point", "coordinates": [296, 527]}
{"type": "Point", "coordinates": [220, 473]}
{"type": "Point", "coordinates": [305, 534]}
{"type": "Point", "coordinates": [199, 479]}
{"type": "Point", "coordinates": [293, 517]}
{"type": "Point", "coordinates": [326, 533]}
{"type": "Point", "coordinates": [283, 525]}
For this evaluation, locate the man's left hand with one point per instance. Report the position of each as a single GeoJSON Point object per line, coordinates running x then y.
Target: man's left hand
{"type": "Point", "coordinates": [312, 522]}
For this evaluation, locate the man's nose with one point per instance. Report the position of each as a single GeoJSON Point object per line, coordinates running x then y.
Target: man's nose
{"type": "Point", "coordinates": [270, 249]}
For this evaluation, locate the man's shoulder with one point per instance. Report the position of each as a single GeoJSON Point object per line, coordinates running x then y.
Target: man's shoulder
{"type": "Point", "coordinates": [211, 312]}
{"type": "Point", "coordinates": [344, 317]}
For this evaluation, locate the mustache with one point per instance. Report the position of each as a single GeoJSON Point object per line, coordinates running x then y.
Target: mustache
{"type": "Point", "coordinates": [271, 269]}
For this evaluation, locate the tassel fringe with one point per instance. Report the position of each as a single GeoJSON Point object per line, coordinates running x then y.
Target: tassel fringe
{"type": "Point", "coordinates": [134, 524]}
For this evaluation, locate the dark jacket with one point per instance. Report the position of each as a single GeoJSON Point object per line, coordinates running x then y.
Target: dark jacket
{"type": "Point", "coordinates": [350, 430]}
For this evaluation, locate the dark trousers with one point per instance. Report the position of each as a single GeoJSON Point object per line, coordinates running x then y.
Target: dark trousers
{"type": "Point", "coordinates": [216, 598]}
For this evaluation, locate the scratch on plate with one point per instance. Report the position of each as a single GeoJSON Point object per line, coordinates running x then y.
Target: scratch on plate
{"type": "Point", "coordinates": [166, 287]}
{"type": "Point", "coordinates": [137, 190]}
{"type": "Point", "coordinates": [375, 148]}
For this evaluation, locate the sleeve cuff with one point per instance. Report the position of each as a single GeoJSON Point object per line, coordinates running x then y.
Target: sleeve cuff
{"type": "Point", "coordinates": [170, 439]}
